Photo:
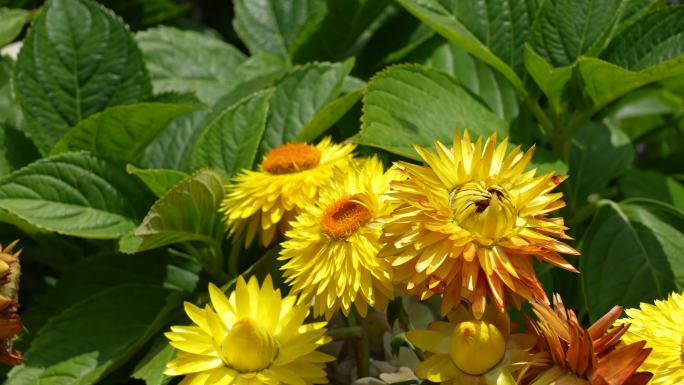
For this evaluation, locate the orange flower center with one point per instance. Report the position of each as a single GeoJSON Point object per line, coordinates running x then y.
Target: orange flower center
{"type": "Point", "coordinates": [344, 217]}
{"type": "Point", "coordinates": [290, 158]}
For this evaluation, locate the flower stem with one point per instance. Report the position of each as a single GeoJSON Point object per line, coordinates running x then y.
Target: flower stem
{"type": "Point", "coordinates": [346, 333]}
{"type": "Point", "coordinates": [361, 348]}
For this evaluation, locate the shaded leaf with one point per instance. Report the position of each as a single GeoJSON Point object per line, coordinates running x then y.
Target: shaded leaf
{"type": "Point", "coordinates": [599, 154]}
{"type": "Point", "coordinates": [77, 59]}
{"type": "Point", "coordinates": [341, 31]}
{"type": "Point", "coordinates": [278, 27]}
{"type": "Point", "coordinates": [632, 253]}
{"type": "Point", "coordinates": [411, 104]}
{"type": "Point", "coordinates": [151, 367]}
{"type": "Point", "coordinates": [16, 150]}
{"type": "Point", "coordinates": [141, 13]}
{"type": "Point", "coordinates": [93, 337]}
{"type": "Point", "coordinates": [652, 185]}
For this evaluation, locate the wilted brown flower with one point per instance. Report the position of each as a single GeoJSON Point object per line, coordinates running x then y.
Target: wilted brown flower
{"type": "Point", "coordinates": [10, 322]}
{"type": "Point", "coordinates": [580, 356]}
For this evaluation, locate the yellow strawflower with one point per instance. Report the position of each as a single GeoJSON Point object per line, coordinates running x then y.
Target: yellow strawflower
{"type": "Point", "coordinates": [469, 223]}
{"type": "Point", "coordinates": [262, 202]}
{"type": "Point", "coordinates": [331, 250]}
{"type": "Point", "coordinates": [253, 337]}
{"type": "Point", "coordinates": [661, 325]}
{"type": "Point", "coordinates": [471, 351]}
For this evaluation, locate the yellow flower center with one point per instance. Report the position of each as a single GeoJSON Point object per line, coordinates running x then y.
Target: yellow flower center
{"type": "Point", "coordinates": [483, 210]}
{"type": "Point", "coordinates": [344, 217]}
{"type": "Point", "coordinates": [248, 347]}
{"type": "Point", "coordinates": [476, 347]}
{"type": "Point", "coordinates": [290, 158]}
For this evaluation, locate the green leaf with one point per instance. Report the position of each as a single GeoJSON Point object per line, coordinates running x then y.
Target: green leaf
{"type": "Point", "coordinates": [346, 25]}
{"type": "Point", "coordinates": [492, 31]}
{"type": "Point", "coordinates": [16, 150]}
{"type": "Point", "coordinates": [9, 107]}
{"type": "Point", "coordinates": [159, 181]}
{"type": "Point", "coordinates": [151, 367]}
{"type": "Point", "coordinates": [191, 61]}
{"type": "Point", "coordinates": [90, 276]}
{"type": "Point", "coordinates": [567, 29]}
{"type": "Point", "coordinates": [188, 212]}
{"type": "Point", "coordinates": [118, 322]}
{"type": "Point", "coordinates": [121, 133]}
{"type": "Point", "coordinates": [75, 194]}
{"type": "Point", "coordinates": [411, 104]}
{"type": "Point", "coordinates": [632, 253]}
{"type": "Point", "coordinates": [141, 13]}
{"type": "Point", "coordinates": [327, 116]}
{"type": "Point", "coordinates": [11, 23]}
{"type": "Point", "coordinates": [171, 148]}
{"type": "Point", "coordinates": [652, 185]}
{"type": "Point", "coordinates": [278, 27]}
{"type": "Point", "coordinates": [77, 59]}
{"type": "Point", "coordinates": [546, 161]}
{"type": "Point", "coordinates": [552, 81]}
{"type": "Point", "coordinates": [650, 49]}
{"type": "Point", "coordinates": [475, 75]}
{"type": "Point", "coordinates": [605, 82]}
{"type": "Point", "coordinates": [298, 97]}
{"type": "Point", "coordinates": [599, 154]}
{"type": "Point", "coordinates": [654, 39]}
{"type": "Point", "coordinates": [229, 143]}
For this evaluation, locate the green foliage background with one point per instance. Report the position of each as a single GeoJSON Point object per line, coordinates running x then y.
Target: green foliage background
{"type": "Point", "coordinates": [119, 129]}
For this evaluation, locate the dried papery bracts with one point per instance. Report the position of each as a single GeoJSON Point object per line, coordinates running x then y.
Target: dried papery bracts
{"type": "Point", "coordinates": [10, 322]}
{"type": "Point", "coordinates": [592, 356]}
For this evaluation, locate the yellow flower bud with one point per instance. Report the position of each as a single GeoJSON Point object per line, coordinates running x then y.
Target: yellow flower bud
{"type": "Point", "coordinates": [476, 346]}
{"type": "Point", "coordinates": [248, 347]}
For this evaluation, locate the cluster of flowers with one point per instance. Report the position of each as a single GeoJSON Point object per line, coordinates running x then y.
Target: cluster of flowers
{"type": "Point", "coordinates": [465, 226]}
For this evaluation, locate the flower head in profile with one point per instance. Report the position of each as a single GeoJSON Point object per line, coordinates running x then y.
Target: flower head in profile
{"type": "Point", "coordinates": [260, 203]}
{"type": "Point", "coordinates": [471, 351]}
{"type": "Point", "coordinates": [470, 222]}
{"type": "Point", "coordinates": [331, 250]}
{"type": "Point", "coordinates": [580, 356]}
{"type": "Point", "coordinates": [252, 337]}
{"type": "Point", "coordinates": [10, 322]}
{"type": "Point", "coordinates": [661, 325]}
